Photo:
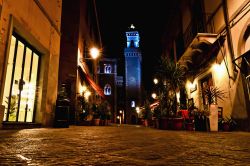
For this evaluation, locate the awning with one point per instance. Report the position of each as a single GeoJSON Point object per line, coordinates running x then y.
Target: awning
{"type": "Point", "coordinates": [202, 50]}
{"type": "Point", "coordinates": [155, 104]}
{"type": "Point", "coordinates": [243, 63]}
{"type": "Point", "coordinates": [97, 88]}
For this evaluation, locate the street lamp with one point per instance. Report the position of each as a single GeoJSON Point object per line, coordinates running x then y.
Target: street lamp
{"type": "Point", "coordinates": [137, 110]}
{"type": "Point", "coordinates": [94, 52]}
{"type": "Point", "coordinates": [155, 81]}
{"type": "Point", "coordinates": [154, 95]}
{"type": "Point", "coordinates": [122, 115]}
{"type": "Point", "coordinates": [87, 94]}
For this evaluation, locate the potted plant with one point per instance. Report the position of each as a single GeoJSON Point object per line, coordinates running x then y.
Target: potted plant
{"type": "Point", "coordinates": [173, 76]}
{"type": "Point", "coordinates": [212, 94]}
{"type": "Point", "coordinates": [84, 115]}
{"type": "Point", "coordinates": [12, 102]}
{"type": "Point", "coordinates": [103, 108]}
{"type": "Point", "coordinates": [96, 115]}
{"type": "Point", "coordinates": [227, 123]}
{"type": "Point", "coordinates": [201, 122]}
{"type": "Point", "coordinates": [146, 113]}
{"type": "Point", "coordinates": [108, 117]}
{"type": "Point", "coordinates": [189, 120]}
{"type": "Point", "coordinates": [156, 117]}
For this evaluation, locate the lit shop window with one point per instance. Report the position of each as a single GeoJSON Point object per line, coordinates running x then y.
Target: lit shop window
{"type": "Point", "coordinates": [20, 82]}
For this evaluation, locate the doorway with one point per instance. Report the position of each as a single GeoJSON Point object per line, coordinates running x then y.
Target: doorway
{"type": "Point", "coordinates": [21, 81]}
{"type": "Point", "coordinates": [205, 82]}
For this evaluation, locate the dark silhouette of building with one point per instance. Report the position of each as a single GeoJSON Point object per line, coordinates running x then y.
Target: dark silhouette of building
{"type": "Point", "coordinates": [80, 32]}
{"type": "Point", "coordinates": [107, 72]}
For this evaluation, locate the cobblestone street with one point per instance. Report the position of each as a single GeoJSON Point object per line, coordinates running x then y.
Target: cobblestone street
{"type": "Point", "coordinates": [122, 145]}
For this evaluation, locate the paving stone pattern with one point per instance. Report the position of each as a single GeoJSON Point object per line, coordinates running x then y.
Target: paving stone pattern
{"type": "Point", "coordinates": [122, 145]}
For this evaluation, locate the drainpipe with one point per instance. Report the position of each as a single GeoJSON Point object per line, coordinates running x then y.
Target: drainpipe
{"type": "Point", "coordinates": [229, 36]}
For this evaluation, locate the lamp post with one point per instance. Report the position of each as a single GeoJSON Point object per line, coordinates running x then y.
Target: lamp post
{"type": "Point", "coordinates": [122, 115]}
{"type": "Point", "coordinates": [94, 54]}
{"type": "Point", "coordinates": [154, 95]}
{"type": "Point", "coordinates": [155, 81]}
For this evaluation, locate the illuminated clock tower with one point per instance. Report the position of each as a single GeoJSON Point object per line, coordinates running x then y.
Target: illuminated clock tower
{"type": "Point", "coordinates": [132, 55]}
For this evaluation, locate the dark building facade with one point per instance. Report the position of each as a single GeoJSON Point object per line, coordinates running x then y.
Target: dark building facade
{"type": "Point", "coordinates": [77, 72]}
{"type": "Point", "coordinates": [120, 98]}
{"type": "Point", "coordinates": [132, 55]}
{"type": "Point", "coordinates": [107, 72]}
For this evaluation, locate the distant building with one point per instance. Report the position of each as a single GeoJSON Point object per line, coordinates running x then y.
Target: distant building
{"type": "Point", "coordinates": [29, 53]}
{"type": "Point", "coordinates": [77, 73]}
{"type": "Point", "coordinates": [107, 73]}
{"type": "Point", "coordinates": [132, 55]}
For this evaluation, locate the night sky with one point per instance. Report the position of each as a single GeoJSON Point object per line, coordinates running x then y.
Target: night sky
{"type": "Point", "coordinates": [150, 19]}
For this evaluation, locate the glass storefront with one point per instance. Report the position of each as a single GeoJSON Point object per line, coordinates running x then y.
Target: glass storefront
{"type": "Point", "coordinates": [21, 82]}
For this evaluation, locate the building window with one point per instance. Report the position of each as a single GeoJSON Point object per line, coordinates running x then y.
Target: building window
{"type": "Point", "coordinates": [107, 69]}
{"type": "Point", "coordinates": [132, 104]}
{"type": "Point", "coordinates": [206, 82]}
{"type": "Point", "coordinates": [21, 81]}
{"type": "Point", "coordinates": [107, 89]}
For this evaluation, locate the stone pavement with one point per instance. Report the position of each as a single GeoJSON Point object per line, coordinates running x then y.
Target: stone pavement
{"type": "Point", "coordinates": [122, 145]}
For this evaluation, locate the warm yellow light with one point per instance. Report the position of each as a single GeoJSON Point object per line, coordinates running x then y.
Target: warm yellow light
{"type": "Point", "coordinates": [137, 110]}
{"type": "Point", "coordinates": [78, 55]}
{"type": "Point", "coordinates": [87, 94]}
{"type": "Point", "coordinates": [191, 85]}
{"type": "Point", "coordinates": [120, 111]}
{"type": "Point", "coordinates": [83, 89]}
{"type": "Point", "coordinates": [178, 96]}
{"type": "Point", "coordinates": [218, 68]}
{"type": "Point", "coordinates": [94, 52]}
{"type": "Point", "coordinates": [155, 81]}
{"type": "Point", "coordinates": [154, 95]}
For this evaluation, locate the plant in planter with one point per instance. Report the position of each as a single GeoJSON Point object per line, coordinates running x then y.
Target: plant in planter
{"type": "Point", "coordinates": [12, 102]}
{"type": "Point", "coordinates": [96, 115]}
{"type": "Point", "coordinates": [109, 114]}
{"type": "Point", "coordinates": [84, 114]}
{"type": "Point", "coordinates": [103, 108]}
{"type": "Point", "coordinates": [189, 115]}
{"type": "Point", "coordinates": [156, 116]}
{"type": "Point", "coordinates": [227, 123]}
{"type": "Point", "coordinates": [201, 119]}
{"type": "Point", "coordinates": [173, 75]}
{"type": "Point", "coordinates": [212, 94]}
{"type": "Point", "coordinates": [146, 113]}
